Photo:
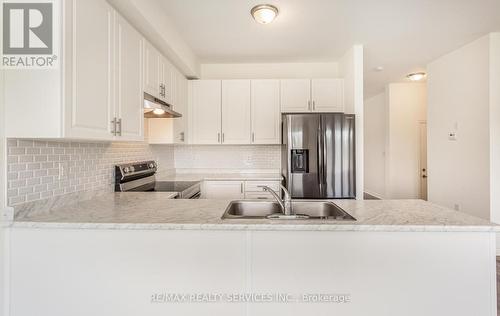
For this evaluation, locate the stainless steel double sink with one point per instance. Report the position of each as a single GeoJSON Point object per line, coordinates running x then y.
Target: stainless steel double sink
{"type": "Point", "coordinates": [303, 209]}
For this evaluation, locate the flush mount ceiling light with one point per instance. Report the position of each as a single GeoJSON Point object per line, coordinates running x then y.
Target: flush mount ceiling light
{"type": "Point", "coordinates": [416, 76]}
{"type": "Point", "coordinates": [264, 13]}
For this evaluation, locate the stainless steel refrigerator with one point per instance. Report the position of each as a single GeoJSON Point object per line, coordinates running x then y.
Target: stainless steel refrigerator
{"type": "Point", "coordinates": [318, 155]}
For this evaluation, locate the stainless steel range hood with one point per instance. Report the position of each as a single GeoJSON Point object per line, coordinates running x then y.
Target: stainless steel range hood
{"type": "Point", "coordinates": [156, 108]}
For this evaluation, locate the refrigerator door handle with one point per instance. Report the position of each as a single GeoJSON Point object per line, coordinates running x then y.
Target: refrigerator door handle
{"type": "Point", "coordinates": [320, 157]}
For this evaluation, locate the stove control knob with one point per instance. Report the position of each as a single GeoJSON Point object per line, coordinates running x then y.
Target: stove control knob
{"type": "Point", "coordinates": [132, 169]}
{"type": "Point", "coordinates": [151, 166]}
{"type": "Point", "coordinates": [126, 169]}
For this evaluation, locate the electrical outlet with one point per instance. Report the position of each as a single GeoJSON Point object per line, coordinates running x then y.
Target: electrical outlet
{"type": "Point", "coordinates": [7, 216]}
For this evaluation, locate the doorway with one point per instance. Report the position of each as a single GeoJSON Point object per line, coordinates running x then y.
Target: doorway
{"type": "Point", "coordinates": [422, 171]}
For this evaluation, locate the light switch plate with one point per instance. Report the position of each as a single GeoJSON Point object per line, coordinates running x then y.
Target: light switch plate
{"type": "Point", "coordinates": [452, 136]}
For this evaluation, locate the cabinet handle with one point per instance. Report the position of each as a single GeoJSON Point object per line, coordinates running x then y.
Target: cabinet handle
{"type": "Point", "coordinates": [222, 137]}
{"type": "Point", "coordinates": [253, 137]}
{"type": "Point", "coordinates": [314, 106]}
{"type": "Point", "coordinates": [113, 131]}
{"type": "Point", "coordinates": [119, 123]}
{"type": "Point", "coordinates": [241, 187]}
{"type": "Point", "coordinates": [309, 105]}
{"type": "Point", "coordinates": [218, 137]}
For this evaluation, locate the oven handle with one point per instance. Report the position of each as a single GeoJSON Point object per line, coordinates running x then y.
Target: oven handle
{"type": "Point", "coordinates": [196, 196]}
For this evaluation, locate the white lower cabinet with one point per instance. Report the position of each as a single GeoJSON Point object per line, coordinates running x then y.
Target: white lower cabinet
{"type": "Point", "coordinates": [223, 190]}
{"type": "Point", "coordinates": [237, 190]}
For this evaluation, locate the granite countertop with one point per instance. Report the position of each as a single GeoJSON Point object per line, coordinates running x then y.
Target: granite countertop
{"type": "Point", "coordinates": [221, 177]}
{"type": "Point", "coordinates": [156, 210]}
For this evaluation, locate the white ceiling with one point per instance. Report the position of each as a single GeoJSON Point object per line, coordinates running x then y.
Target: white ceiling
{"type": "Point", "coordinates": [400, 35]}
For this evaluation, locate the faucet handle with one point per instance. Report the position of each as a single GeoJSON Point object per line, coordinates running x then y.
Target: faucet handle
{"type": "Point", "coordinates": [264, 187]}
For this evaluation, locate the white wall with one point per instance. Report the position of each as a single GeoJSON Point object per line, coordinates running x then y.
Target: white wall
{"type": "Point", "coordinates": [495, 127]}
{"type": "Point", "coordinates": [351, 69]}
{"type": "Point", "coordinates": [269, 70]}
{"type": "Point", "coordinates": [459, 100]}
{"type": "Point", "coordinates": [406, 104]}
{"type": "Point", "coordinates": [374, 145]}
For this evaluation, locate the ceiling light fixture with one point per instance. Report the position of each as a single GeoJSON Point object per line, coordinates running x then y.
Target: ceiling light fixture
{"type": "Point", "coordinates": [264, 13]}
{"type": "Point", "coordinates": [416, 76]}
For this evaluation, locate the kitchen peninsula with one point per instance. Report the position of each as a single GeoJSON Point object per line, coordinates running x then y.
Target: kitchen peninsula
{"type": "Point", "coordinates": [148, 245]}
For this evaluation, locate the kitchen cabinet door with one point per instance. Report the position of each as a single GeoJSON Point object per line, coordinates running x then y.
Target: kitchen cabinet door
{"type": "Point", "coordinates": [327, 95]}
{"type": "Point", "coordinates": [235, 112]}
{"type": "Point", "coordinates": [231, 190]}
{"type": "Point", "coordinates": [295, 95]}
{"type": "Point", "coordinates": [181, 106]}
{"type": "Point", "coordinates": [90, 109]}
{"type": "Point", "coordinates": [166, 81]}
{"type": "Point", "coordinates": [152, 74]}
{"type": "Point", "coordinates": [205, 112]}
{"type": "Point", "coordinates": [129, 96]}
{"type": "Point", "coordinates": [265, 108]}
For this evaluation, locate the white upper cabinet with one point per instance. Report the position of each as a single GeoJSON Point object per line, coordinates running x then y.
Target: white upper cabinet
{"type": "Point", "coordinates": [151, 70]}
{"type": "Point", "coordinates": [181, 106]}
{"type": "Point", "coordinates": [205, 111]}
{"type": "Point", "coordinates": [295, 95]}
{"type": "Point", "coordinates": [166, 84]}
{"type": "Point", "coordinates": [235, 112]}
{"type": "Point", "coordinates": [266, 116]}
{"type": "Point", "coordinates": [129, 95]}
{"type": "Point", "coordinates": [312, 95]}
{"type": "Point", "coordinates": [327, 95]}
{"type": "Point", "coordinates": [90, 109]}
{"type": "Point", "coordinates": [95, 94]}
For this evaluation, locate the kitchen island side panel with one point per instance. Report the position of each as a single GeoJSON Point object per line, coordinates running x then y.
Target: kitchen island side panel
{"type": "Point", "coordinates": [122, 272]}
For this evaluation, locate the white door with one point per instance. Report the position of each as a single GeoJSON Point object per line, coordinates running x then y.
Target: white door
{"type": "Point", "coordinates": [91, 110]}
{"type": "Point", "coordinates": [295, 95]}
{"type": "Point", "coordinates": [266, 116]}
{"type": "Point", "coordinates": [151, 70]}
{"type": "Point", "coordinates": [235, 112]}
{"type": "Point", "coordinates": [327, 95]}
{"type": "Point", "coordinates": [129, 96]}
{"type": "Point", "coordinates": [230, 190]}
{"type": "Point", "coordinates": [205, 111]}
{"type": "Point", "coordinates": [423, 159]}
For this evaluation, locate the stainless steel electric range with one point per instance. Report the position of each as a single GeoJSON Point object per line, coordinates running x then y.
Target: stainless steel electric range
{"type": "Point", "coordinates": [141, 177]}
